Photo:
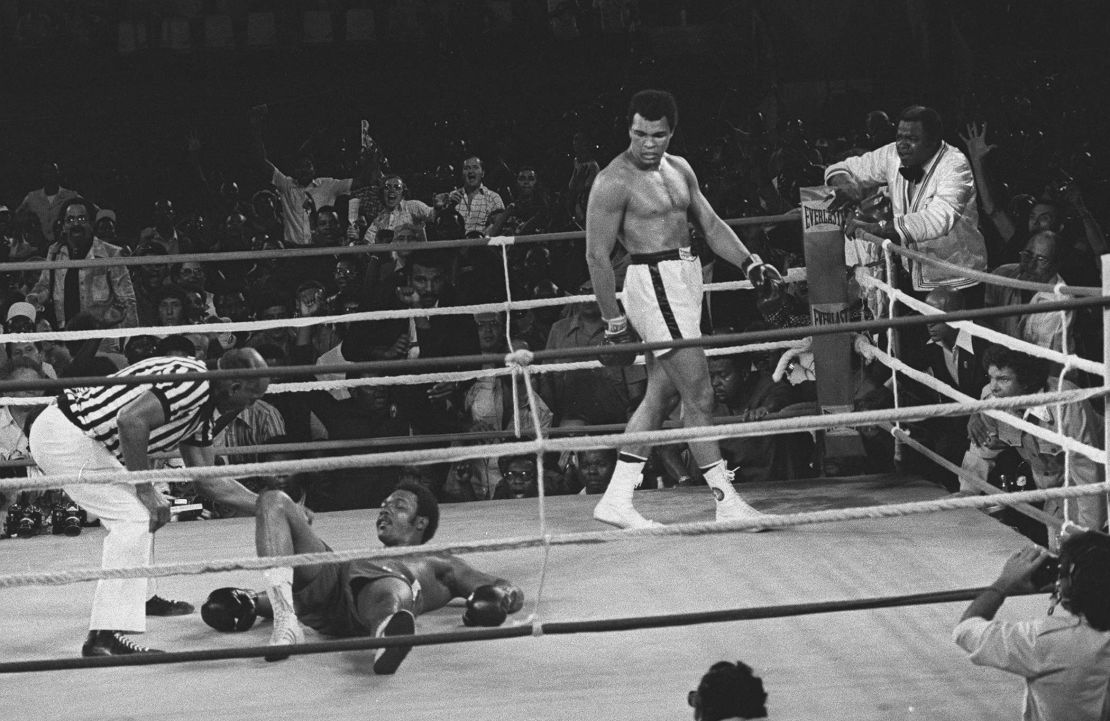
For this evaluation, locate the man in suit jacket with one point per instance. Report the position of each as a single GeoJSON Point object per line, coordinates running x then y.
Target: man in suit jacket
{"type": "Point", "coordinates": [932, 194]}
{"type": "Point", "coordinates": [955, 357]}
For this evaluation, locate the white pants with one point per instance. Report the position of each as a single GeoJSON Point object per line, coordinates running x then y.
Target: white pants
{"type": "Point", "coordinates": [58, 446]}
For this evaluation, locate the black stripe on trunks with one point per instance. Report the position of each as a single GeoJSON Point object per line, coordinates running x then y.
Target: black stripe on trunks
{"type": "Point", "coordinates": [664, 304]}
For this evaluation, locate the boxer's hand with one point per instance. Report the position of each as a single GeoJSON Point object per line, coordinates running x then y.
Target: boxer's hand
{"type": "Point", "coordinates": [765, 278]}
{"type": "Point", "coordinates": [618, 332]}
{"type": "Point", "coordinates": [487, 606]}
{"type": "Point", "coordinates": [230, 609]}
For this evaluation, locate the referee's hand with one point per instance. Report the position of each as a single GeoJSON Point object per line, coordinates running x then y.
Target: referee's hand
{"type": "Point", "coordinates": [158, 505]}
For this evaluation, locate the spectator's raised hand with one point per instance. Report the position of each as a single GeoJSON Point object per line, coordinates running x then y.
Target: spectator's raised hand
{"type": "Point", "coordinates": [976, 141]}
{"type": "Point", "coordinates": [310, 303]}
{"type": "Point", "coordinates": [192, 142]}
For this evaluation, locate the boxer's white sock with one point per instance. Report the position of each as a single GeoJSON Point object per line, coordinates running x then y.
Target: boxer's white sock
{"type": "Point", "coordinates": [279, 585]}
{"type": "Point", "coordinates": [627, 477]}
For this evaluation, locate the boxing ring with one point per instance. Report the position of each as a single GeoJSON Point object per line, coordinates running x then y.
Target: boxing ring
{"type": "Point", "coordinates": [845, 611]}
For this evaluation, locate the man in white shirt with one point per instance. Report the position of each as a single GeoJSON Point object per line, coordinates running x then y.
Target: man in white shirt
{"type": "Point", "coordinates": [1065, 659]}
{"type": "Point", "coordinates": [302, 193]}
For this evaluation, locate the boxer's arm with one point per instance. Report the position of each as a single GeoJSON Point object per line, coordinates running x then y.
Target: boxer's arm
{"type": "Point", "coordinates": [462, 580]}
{"type": "Point", "coordinates": [721, 238]}
{"type": "Point", "coordinates": [604, 215]}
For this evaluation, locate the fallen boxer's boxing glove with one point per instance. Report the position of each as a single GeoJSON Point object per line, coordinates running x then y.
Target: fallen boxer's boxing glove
{"type": "Point", "coordinates": [230, 609]}
{"type": "Point", "coordinates": [487, 606]}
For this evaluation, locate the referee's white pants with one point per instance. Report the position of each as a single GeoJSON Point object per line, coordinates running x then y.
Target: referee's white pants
{"type": "Point", "coordinates": [58, 446]}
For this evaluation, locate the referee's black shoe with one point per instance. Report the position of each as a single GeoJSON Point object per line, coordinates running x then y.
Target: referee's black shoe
{"type": "Point", "coordinates": [112, 643]}
{"type": "Point", "coordinates": [158, 606]}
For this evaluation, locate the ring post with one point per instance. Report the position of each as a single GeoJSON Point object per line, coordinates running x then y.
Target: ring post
{"type": "Point", "coordinates": [823, 234]}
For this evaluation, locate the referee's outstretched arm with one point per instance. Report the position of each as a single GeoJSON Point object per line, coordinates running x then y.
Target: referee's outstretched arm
{"type": "Point", "coordinates": [225, 491]}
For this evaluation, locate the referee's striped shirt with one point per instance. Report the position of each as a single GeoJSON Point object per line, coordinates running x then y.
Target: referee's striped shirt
{"type": "Point", "coordinates": [187, 404]}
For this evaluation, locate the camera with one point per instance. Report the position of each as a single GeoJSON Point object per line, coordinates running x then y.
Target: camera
{"type": "Point", "coordinates": [1046, 573]}
{"type": "Point", "coordinates": [68, 518]}
{"type": "Point", "coordinates": [23, 520]}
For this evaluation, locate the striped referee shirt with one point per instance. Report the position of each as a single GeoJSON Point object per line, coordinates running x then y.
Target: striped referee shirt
{"type": "Point", "coordinates": [187, 404]}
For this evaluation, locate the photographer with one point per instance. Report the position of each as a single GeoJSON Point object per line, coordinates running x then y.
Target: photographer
{"type": "Point", "coordinates": [1064, 659]}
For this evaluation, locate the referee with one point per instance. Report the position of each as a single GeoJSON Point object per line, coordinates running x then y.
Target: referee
{"type": "Point", "coordinates": [115, 427]}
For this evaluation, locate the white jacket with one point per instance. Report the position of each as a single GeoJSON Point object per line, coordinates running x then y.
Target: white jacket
{"type": "Point", "coordinates": [939, 217]}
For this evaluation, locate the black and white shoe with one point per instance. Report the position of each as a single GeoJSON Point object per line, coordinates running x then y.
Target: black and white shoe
{"type": "Point", "coordinates": [112, 643]}
{"type": "Point", "coordinates": [158, 606]}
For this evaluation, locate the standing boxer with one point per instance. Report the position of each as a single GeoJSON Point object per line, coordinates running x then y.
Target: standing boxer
{"type": "Point", "coordinates": [643, 197]}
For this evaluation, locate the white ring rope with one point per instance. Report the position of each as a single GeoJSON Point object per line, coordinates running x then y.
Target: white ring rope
{"type": "Point", "coordinates": [1097, 455]}
{"type": "Point", "coordinates": [599, 442]}
{"type": "Point", "coordinates": [452, 376]}
{"type": "Point", "coordinates": [948, 503]}
{"type": "Point", "coordinates": [794, 275]}
{"type": "Point", "coordinates": [984, 277]}
{"type": "Point", "coordinates": [979, 331]}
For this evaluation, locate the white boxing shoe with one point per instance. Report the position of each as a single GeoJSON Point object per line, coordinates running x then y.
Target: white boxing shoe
{"type": "Point", "coordinates": [287, 632]}
{"type": "Point", "coordinates": [733, 508]}
{"type": "Point", "coordinates": [621, 515]}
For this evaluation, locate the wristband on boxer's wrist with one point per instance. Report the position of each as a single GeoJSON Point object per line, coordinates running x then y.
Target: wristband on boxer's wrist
{"type": "Point", "coordinates": [616, 325]}
{"type": "Point", "coordinates": [750, 262]}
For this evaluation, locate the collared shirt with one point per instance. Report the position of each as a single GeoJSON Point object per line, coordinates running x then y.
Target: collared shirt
{"type": "Point", "coordinates": [1079, 421]}
{"type": "Point", "coordinates": [187, 405]}
{"type": "Point", "coordinates": [253, 426]}
{"type": "Point", "coordinates": [407, 211]}
{"type": "Point", "coordinates": [951, 355]}
{"type": "Point", "coordinates": [1047, 330]}
{"type": "Point", "coordinates": [1065, 663]}
{"type": "Point", "coordinates": [937, 216]}
{"type": "Point", "coordinates": [299, 202]}
{"type": "Point", "coordinates": [13, 437]}
{"type": "Point", "coordinates": [475, 209]}
{"type": "Point", "coordinates": [101, 288]}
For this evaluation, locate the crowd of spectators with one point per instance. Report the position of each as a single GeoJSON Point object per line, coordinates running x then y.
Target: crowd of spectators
{"type": "Point", "coordinates": [1041, 201]}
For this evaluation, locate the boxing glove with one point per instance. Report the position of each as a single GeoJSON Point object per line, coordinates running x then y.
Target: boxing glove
{"type": "Point", "coordinates": [487, 606]}
{"type": "Point", "coordinates": [764, 277]}
{"type": "Point", "coordinates": [230, 609]}
{"type": "Point", "coordinates": [618, 333]}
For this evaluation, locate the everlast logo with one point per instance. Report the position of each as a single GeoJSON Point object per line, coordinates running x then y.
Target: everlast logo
{"type": "Point", "coordinates": [823, 216]}
{"type": "Point", "coordinates": [821, 317]}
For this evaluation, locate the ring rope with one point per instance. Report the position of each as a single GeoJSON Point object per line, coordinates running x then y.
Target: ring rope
{"type": "Point", "coordinates": [425, 440]}
{"type": "Point", "coordinates": [996, 412]}
{"type": "Point", "coordinates": [448, 376]}
{"type": "Point", "coordinates": [989, 334]}
{"type": "Point", "coordinates": [519, 630]}
{"type": "Point", "coordinates": [793, 276]}
{"type": "Point", "coordinates": [991, 278]}
{"type": "Point", "coordinates": [898, 510]}
{"type": "Point", "coordinates": [1065, 442]}
{"type": "Point", "coordinates": [981, 484]}
{"type": "Point", "coordinates": [892, 341]}
{"type": "Point", "coordinates": [359, 249]}
{"type": "Point", "coordinates": [607, 441]}
{"type": "Point", "coordinates": [576, 352]}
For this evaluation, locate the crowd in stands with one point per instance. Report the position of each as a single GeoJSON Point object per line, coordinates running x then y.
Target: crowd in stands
{"type": "Point", "coordinates": [1041, 200]}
